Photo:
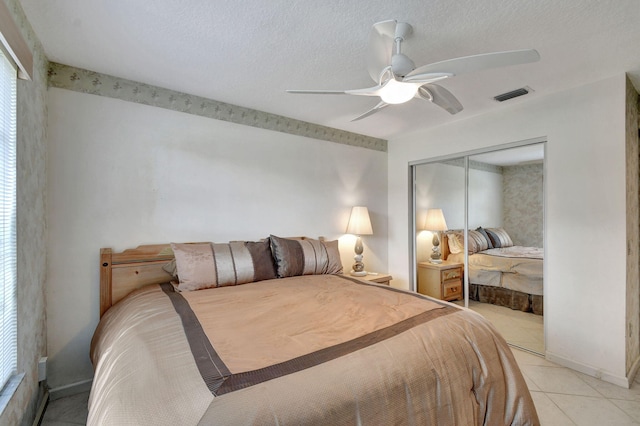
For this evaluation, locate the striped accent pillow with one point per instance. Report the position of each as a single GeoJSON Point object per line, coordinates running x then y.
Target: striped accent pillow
{"type": "Point", "coordinates": [305, 256]}
{"type": "Point", "coordinates": [206, 265]}
{"type": "Point", "coordinates": [499, 237]}
{"type": "Point", "coordinates": [477, 242]}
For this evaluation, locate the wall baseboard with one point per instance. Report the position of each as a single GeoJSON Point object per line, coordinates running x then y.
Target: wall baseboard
{"type": "Point", "coordinates": [621, 381]}
{"type": "Point", "coordinates": [68, 390]}
{"type": "Point", "coordinates": [41, 409]}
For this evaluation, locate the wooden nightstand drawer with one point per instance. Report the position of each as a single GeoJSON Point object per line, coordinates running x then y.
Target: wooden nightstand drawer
{"type": "Point", "coordinates": [452, 289]}
{"type": "Point", "coordinates": [451, 274]}
{"type": "Point", "coordinates": [440, 280]}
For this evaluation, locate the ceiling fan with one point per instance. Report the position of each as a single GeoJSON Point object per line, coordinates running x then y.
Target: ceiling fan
{"type": "Point", "coordinates": [398, 80]}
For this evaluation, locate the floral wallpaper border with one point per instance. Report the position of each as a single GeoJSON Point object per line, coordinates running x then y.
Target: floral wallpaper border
{"type": "Point", "coordinates": [85, 81]}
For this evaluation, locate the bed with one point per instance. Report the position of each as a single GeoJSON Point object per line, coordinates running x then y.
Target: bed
{"type": "Point", "coordinates": [504, 275]}
{"type": "Point", "coordinates": [305, 347]}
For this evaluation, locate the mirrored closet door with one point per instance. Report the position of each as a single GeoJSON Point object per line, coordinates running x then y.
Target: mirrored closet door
{"type": "Point", "coordinates": [491, 204]}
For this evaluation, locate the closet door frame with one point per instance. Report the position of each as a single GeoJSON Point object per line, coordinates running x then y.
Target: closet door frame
{"type": "Point", "coordinates": [413, 231]}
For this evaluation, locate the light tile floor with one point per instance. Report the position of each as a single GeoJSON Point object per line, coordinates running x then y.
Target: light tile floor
{"type": "Point", "coordinates": [566, 397]}
{"type": "Point", "coordinates": [522, 329]}
{"type": "Point", "coordinates": [562, 397]}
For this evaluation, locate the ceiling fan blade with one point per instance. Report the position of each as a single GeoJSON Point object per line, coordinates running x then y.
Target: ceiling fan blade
{"type": "Point", "coordinates": [473, 63]}
{"type": "Point", "coordinates": [380, 48]}
{"type": "Point", "coordinates": [428, 77]}
{"type": "Point", "coordinates": [318, 92]}
{"type": "Point", "coordinates": [371, 111]}
{"type": "Point", "coordinates": [369, 91]}
{"type": "Point", "coordinates": [441, 97]}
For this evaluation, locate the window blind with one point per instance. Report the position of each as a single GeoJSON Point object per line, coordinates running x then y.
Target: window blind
{"type": "Point", "coordinates": [8, 257]}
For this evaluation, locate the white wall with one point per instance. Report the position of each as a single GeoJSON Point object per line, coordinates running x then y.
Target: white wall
{"type": "Point", "coordinates": [585, 212]}
{"type": "Point", "coordinates": [123, 174]}
{"type": "Point", "coordinates": [485, 199]}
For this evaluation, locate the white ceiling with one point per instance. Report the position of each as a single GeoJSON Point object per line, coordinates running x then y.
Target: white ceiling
{"type": "Point", "coordinates": [248, 52]}
{"type": "Point", "coordinates": [512, 156]}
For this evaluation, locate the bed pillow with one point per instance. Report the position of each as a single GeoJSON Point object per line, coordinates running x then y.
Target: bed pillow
{"type": "Point", "coordinates": [233, 263]}
{"type": "Point", "coordinates": [263, 265]}
{"type": "Point", "coordinates": [499, 237]}
{"type": "Point", "coordinates": [481, 230]}
{"type": "Point", "coordinates": [456, 242]}
{"type": "Point", "coordinates": [195, 266]}
{"type": "Point", "coordinates": [477, 242]}
{"type": "Point", "coordinates": [295, 257]}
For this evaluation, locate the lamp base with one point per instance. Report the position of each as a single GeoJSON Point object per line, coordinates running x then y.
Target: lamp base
{"type": "Point", "coordinates": [358, 273]}
{"type": "Point", "coordinates": [436, 256]}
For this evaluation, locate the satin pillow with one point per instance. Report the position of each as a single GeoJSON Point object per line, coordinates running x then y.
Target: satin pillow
{"type": "Point", "coordinates": [305, 256]}
{"type": "Point", "coordinates": [206, 265]}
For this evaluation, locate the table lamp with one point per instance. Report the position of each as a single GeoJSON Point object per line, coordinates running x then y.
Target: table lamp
{"type": "Point", "coordinates": [359, 224]}
{"type": "Point", "coordinates": [435, 223]}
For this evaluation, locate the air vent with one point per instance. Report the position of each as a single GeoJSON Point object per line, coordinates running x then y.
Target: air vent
{"type": "Point", "coordinates": [513, 94]}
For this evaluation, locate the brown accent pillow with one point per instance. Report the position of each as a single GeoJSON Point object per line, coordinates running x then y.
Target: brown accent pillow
{"type": "Point", "coordinates": [264, 267]}
{"type": "Point", "coordinates": [305, 257]}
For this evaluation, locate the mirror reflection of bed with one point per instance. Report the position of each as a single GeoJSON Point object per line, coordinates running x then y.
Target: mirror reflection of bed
{"type": "Point", "coordinates": [505, 242]}
{"type": "Point", "coordinates": [505, 286]}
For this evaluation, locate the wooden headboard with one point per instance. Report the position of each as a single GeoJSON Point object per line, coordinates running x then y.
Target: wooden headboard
{"type": "Point", "coordinates": [121, 273]}
{"type": "Point", "coordinates": [444, 246]}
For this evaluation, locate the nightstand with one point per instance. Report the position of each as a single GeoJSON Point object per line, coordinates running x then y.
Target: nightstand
{"type": "Point", "coordinates": [378, 278]}
{"type": "Point", "coordinates": [440, 280]}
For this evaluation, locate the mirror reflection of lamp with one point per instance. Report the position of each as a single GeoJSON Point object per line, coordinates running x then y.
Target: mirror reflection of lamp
{"type": "Point", "coordinates": [435, 223]}
{"type": "Point", "coordinates": [359, 224]}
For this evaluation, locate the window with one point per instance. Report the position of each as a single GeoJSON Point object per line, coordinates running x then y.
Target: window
{"type": "Point", "coordinates": [8, 274]}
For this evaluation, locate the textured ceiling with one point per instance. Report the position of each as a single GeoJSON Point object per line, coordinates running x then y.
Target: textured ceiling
{"type": "Point", "coordinates": [248, 52]}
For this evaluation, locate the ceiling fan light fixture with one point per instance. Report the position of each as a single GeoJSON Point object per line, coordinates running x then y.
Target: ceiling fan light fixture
{"type": "Point", "coordinates": [395, 92]}
{"type": "Point", "coordinates": [399, 81]}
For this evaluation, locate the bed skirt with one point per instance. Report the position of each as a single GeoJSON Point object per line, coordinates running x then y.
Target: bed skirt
{"type": "Point", "coordinates": [505, 297]}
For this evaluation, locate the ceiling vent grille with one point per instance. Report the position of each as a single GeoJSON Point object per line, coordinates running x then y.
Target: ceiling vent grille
{"type": "Point", "coordinates": [512, 94]}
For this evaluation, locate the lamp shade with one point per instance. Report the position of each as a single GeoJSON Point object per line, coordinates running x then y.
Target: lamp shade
{"type": "Point", "coordinates": [359, 222]}
{"type": "Point", "coordinates": [435, 220]}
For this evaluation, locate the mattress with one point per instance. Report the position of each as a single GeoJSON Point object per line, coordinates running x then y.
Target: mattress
{"type": "Point", "coordinates": [316, 349]}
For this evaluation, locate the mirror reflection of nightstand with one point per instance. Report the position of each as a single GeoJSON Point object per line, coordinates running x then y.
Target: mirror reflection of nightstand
{"type": "Point", "coordinates": [441, 280]}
